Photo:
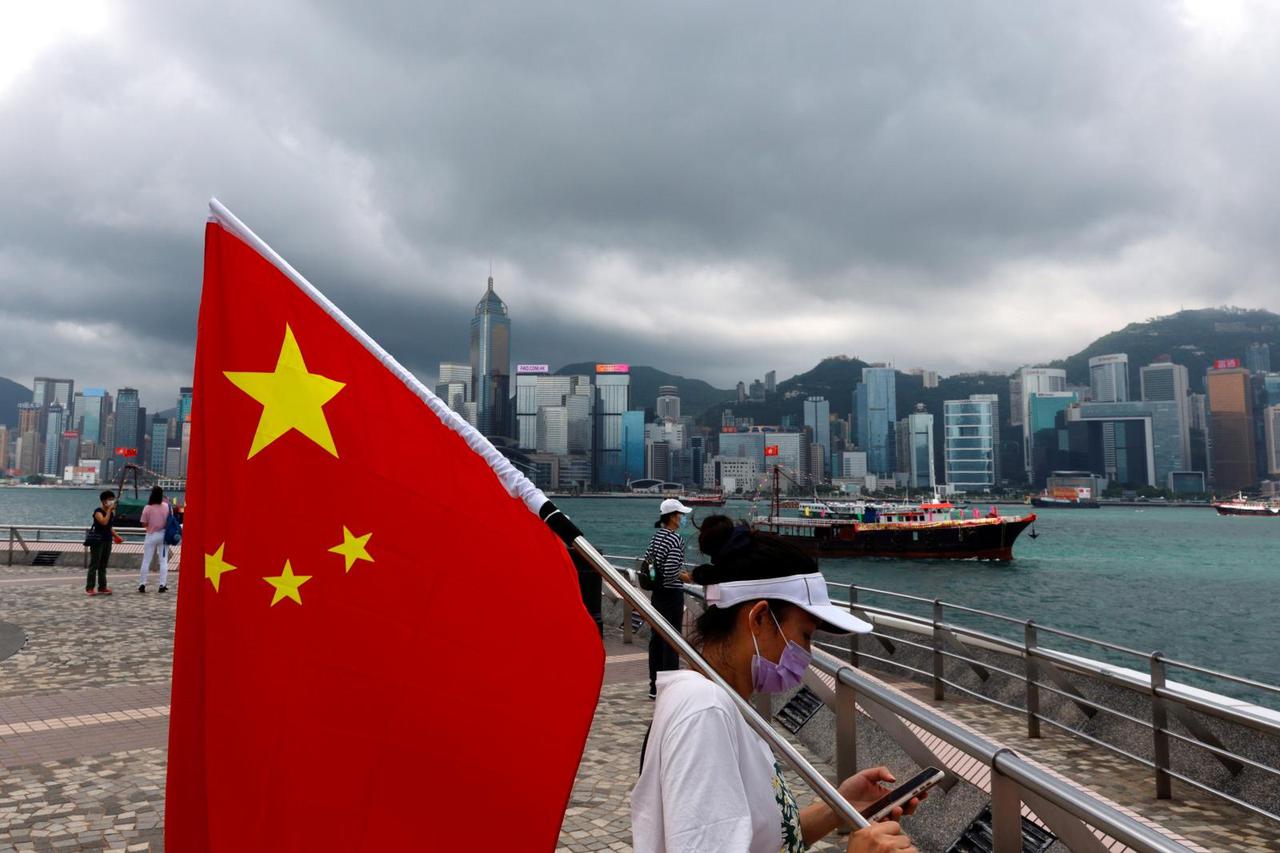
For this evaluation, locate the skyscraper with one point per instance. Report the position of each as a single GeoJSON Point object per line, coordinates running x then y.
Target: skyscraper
{"type": "Point", "coordinates": [1033, 380]}
{"type": "Point", "coordinates": [817, 418]}
{"type": "Point", "coordinates": [454, 385]}
{"type": "Point", "coordinates": [612, 400]}
{"type": "Point", "coordinates": [1231, 447]}
{"type": "Point", "coordinates": [90, 412]}
{"type": "Point", "coordinates": [876, 404]}
{"type": "Point", "coordinates": [1272, 423]}
{"type": "Point", "coordinates": [1109, 378]}
{"type": "Point", "coordinates": [1166, 381]}
{"type": "Point", "coordinates": [53, 415]}
{"type": "Point", "coordinates": [1258, 358]}
{"type": "Point", "coordinates": [159, 444]}
{"type": "Point", "coordinates": [127, 424]}
{"type": "Point", "coordinates": [971, 442]}
{"type": "Point", "coordinates": [771, 382]}
{"type": "Point", "coordinates": [668, 402]}
{"type": "Point", "coordinates": [46, 391]}
{"type": "Point", "coordinates": [491, 363]}
{"type": "Point", "coordinates": [916, 442]}
{"type": "Point", "coordinates": [633, 445]}
{"type": "Point", "coordinates": [184, 403]}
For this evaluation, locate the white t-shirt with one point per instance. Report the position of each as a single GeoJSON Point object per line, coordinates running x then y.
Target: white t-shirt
{"type": "Point", "coordinates": [709, 783]}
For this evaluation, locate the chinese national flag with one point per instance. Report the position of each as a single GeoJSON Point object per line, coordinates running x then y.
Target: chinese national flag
{"type": "Point", "coordinates": [377, 646]}
{"type": "Point", "coordinates": [771, 450]}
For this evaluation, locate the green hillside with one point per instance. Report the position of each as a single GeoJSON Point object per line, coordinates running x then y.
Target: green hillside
{"type": "Point", "coordinates": [11, 394]}
{"type": "Point", "coordinates": [1194, 338]}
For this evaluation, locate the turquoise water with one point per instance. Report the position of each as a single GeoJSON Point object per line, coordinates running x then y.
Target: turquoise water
{"type": "Point", "coordinates": [1199, 587]}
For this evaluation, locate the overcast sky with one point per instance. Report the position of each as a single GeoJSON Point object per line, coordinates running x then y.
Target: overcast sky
{"type": "Point", "coordinates": [715, 189]}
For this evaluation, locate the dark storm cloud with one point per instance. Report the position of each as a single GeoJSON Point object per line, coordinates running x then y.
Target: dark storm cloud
{"type": "Point", "coordinates": [711, 188]}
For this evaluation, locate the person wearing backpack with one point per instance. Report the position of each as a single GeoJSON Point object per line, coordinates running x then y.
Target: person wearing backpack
{"type": "Point", "coordinates": [665, 555]}
{"type": "Point", "coordinates": [155, 518]}
{"type": "Point", "coordinates": [99, 539]}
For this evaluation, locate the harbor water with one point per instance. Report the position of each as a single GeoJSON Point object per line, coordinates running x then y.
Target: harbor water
{"type": "Point", "coordinates": [1199, 587]}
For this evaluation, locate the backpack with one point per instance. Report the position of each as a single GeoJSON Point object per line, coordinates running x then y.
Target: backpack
{"type": "Point", "coordinates": [172, 530]}
{"type": "Point", "coordinates": [647, 573]}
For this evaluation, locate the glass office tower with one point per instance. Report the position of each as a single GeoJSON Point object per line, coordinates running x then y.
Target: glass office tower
{"type": "Point", "coordinates": [491, 363]}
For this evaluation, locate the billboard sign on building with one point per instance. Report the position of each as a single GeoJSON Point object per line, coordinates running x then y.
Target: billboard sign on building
{"type": "Point", "coordinates": [533, 368]}
{"type": "Point", "coordinates": [613, 368]}
{"type": "Point", "coordinates": [1226, 363]}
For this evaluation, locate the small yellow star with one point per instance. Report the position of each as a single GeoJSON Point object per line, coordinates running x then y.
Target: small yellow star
{"type": "Point", "coordinates": [352, 548]}
{"type": "Point", "coordinates": [215, 567]}
{"type": "Point", "coordinates": [286, 584]}
{"type": "Point", "coordinates": [291, 398]}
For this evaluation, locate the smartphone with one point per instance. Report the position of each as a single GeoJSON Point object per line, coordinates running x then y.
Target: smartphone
{"type": "Point", "coordinates": [901, 795]}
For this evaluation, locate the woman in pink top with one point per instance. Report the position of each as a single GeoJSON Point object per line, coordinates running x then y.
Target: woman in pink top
{"type": "Point", "coordinates": [155, 515]}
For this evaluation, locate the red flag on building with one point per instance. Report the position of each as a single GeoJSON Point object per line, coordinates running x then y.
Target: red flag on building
{"type": "Point", "coordinates": [379, 644]}
{"type": "Point", "coordinates": [771, 450]}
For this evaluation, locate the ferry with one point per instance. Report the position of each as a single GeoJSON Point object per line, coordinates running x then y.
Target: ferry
{"type": "Point", "coordinates": [1240, 505]}
{"type": "Point", "coordinates": [1065, 497]}
{"type": "Point", "coordinates": [703, 499]}
{"type": "Point", "coordinates": [933, 530]}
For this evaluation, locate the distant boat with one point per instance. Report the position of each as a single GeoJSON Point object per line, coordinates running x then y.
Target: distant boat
{"type": "Point", "coordinates": [1054, 501]}
{"type": "Point", "coordinates": [1240, 505]}
{"type": "Point", "coordinates": [703, 499]}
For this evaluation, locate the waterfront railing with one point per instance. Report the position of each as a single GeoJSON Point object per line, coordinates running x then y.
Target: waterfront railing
{"type": "Point", "coordinates": [27, 541]}
{"type": "Point", "coordinates": [922, 646]}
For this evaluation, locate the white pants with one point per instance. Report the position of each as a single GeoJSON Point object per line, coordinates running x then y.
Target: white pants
{"type": "Point", "coordinates": [153, 547]}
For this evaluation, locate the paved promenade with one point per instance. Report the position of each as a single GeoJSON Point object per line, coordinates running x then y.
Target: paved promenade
{"type": "Point", "coordinates": [84, 712]}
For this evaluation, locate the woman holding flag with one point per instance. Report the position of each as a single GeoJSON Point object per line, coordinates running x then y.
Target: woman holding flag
{"type": "Point", "coordinates": [708, 782]}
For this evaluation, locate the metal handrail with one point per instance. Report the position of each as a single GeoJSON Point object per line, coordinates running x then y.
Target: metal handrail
{"type": "Point", "coordinates": [1006, 766]}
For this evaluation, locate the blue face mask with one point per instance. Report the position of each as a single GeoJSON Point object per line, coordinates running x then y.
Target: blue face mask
{"type": "Point", "coordinates": [683, 519]}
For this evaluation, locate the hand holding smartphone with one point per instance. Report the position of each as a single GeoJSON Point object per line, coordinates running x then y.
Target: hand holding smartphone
{"type": "Point", "coordinates": [901, 795]}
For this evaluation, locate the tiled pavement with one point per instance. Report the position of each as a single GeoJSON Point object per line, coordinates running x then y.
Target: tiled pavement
{"type": "Point", "coordinates": [84, 720]}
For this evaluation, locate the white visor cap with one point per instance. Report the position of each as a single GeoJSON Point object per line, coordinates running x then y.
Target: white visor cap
{"type": "Point", "coordinates": [808, 592]}
{"type": "Point", "coordinates": [673, 505]}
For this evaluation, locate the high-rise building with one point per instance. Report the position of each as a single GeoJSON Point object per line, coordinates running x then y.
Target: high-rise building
{"type": "Point", "coordinates": [875, 402]}
{"type": "Point", "coordinates": [1033, 380]}
{"type": "Point", "coordinates": [4, 449]}
{"type": "Point", "coordinates": [184, 403]}
{"type": "Point", "coordinates": [928, 378]}
{"type": "Point", "coordinates": [159, 444]}
{"type": "Point", "coordinates": [791, 451]}
{"type": "Point", "coordinates": [915, 442]}
{"type": "Point", "coordinates": [1147, 445]}
{"type": "Point", "coordinates": [742, 392]}
{"type": "Point", "coordinates": [91, 409]}
{"type": "Point", "coordinates": [54, 426]}
{"type": "Point", "coordinates": [612, 400]}
{"type": "Point", "coordinates": [817, 419]}
{"type": "Point", "coordinates": [1232, 461]}
{"type": "Point", "coordinates": [530, 378]}
{"type": "Point", "coordinates": [756, 391]}
{"type": "Point", "coordinates": [744, 445]}
{"type": "Point", "coordinates": [553, 430]}
{"type": "Point", "coordinates": [668, 403]}
{"type": "Point", "coordinates": [971, 443]}
{"type": "Point", "coordinates": [29, 450]}
{"type": "Point", "coordinates": [184, 447]}
{"type": "Point", "coordinates": [853, 465]}
{"type": "Point", "coordinates": [46, 391]}
{"type": "Point", "coordinates": [1109, 378]}
{"type": "Point", "coordinates": [491, 363]}
{"type": "Point", "coordinates": [1166, 381]}
{"type": "Point", "coordinates": [633, 445]}
{"type": "Point", "coordinates": [1272, 422]}
{"type": "Point", "coordinates": [453, 385]}
{"type": "Point", "coordinates": [129, 420]}
{"type": "Point", "coordinates": [771, 382]}
{"type": "Point", "coordinates": [1049, 441]}
{"type": "Point", "coordinates": [1258, 358]}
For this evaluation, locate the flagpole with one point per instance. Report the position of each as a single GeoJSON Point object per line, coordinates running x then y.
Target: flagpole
{"type": "Point", "coordinates": [572, 537]}
{"type": "Point", "coordinates": [519, 486]}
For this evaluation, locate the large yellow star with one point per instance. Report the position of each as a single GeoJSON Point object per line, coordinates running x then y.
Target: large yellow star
{"type": "Point", "coordinates": [215, 566]}
{"type": "Point", "coordinates": [291, 398]}
{"type": "Point", "coordinates": [286, 584]}
{"type": "Point", "coordinates": [352, 548]}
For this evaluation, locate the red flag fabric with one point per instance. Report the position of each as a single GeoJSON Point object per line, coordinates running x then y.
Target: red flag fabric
{"type": "Point", "coordinates": [378, 646]}
{"type": "Point", "coordinates": [771, 450]}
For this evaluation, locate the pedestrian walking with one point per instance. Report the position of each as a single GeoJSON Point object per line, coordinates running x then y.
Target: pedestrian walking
{"type": "Point", "coordinates": [99, 539]}
{"type": "Point", "coordinates": [155, 517]}
{"type": "Point", "coordinates": [666, 555]}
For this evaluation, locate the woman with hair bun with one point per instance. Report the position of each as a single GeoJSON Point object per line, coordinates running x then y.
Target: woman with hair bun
{"type": "Point", "coordinates": [708, 782]}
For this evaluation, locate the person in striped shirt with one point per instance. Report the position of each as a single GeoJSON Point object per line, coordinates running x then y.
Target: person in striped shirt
{"type": "Point", "coordinates": [666, 550]}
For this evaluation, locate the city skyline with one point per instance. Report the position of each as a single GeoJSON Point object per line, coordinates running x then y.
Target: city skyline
{"type": "Point", "coordinates": [880, 188]}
